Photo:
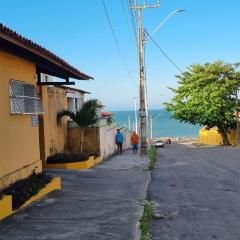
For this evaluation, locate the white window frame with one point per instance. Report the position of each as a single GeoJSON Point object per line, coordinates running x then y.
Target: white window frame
{"type": "Point", "coordinates": [17, 100]}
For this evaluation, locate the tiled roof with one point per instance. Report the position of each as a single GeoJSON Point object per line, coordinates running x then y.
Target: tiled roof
{"type": "Point", "coordinates": [14, 35]}
{"type": "Point", "coordinates": [106, 114]}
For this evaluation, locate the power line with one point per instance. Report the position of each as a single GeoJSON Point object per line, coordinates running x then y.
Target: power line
{"type": "Point", "coordinates": [165, 54]}
{"type": "Point", "coordinates": [133, 21]}
{"type": "Point", "coordinates": [117, 43]}
{"type": "Point", "coordinates": [125, 14]}
{"type": "Point", "coordinates": [128, 25]}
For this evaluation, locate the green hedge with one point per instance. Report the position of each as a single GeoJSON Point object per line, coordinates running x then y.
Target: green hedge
{"type": "Point", "coordinates": [67, 158]}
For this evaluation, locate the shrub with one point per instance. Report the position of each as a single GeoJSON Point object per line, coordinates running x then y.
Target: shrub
{"type": "Point", "coordinates": [24, 189]}
{"type": "Point", "coordinates": [66, 158]}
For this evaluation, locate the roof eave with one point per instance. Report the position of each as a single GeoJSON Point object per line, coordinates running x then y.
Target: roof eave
{"type": "Point", "coordinates": [39, 53]}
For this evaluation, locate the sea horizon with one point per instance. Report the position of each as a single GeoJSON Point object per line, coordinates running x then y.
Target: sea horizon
{"type": "Point", "coordinates": [127, 110]}
{"type": "Point", "coordinates": [163, 124]}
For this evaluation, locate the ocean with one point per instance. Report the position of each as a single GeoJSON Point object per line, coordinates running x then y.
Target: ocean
{"type": "Point", "coordinates": [163, 125]}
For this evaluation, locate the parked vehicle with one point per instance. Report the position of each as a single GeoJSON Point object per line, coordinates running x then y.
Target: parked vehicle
{"type": "Point", "coordinates": [159, 144]}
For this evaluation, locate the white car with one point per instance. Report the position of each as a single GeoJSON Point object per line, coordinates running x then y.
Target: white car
{"type": "Point", "coordinates": [159, 144]}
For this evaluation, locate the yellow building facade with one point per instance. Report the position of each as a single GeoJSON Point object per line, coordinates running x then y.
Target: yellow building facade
{"type": "Point", "coordinates": [19, 140]}
{"type": "Point", "coordinates": [53, 138]}
{"type": "Point", "coordinates": [23, 127]}
{"type": "Point", "coordinates": [213, 137]}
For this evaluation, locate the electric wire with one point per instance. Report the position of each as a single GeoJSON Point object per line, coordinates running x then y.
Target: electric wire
{"type": "Point", "coordinates": [146, 91]}
{"type": "Point", "coordinates": [117, 43]}
{"type": "Point", "coordinates": [133, 21]}
{"type": "Point", "coordinates": [165, 54]}
{"type": "Point", "coordinates": [128, 27]}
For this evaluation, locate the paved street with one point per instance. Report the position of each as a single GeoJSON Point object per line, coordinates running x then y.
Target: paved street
{"type": "Point", "coordinates": [101, 203]}
{"type": "Point", "coordinates": [198, 190]}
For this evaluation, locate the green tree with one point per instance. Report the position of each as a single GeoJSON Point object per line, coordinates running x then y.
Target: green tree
{"type": "Point", "coordinates": [207, 96]}
{"type": "Point", "coordinates": [84, 117]}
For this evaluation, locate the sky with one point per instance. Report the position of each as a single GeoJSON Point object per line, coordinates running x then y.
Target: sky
{"type": "Point", "coordinates": [78, 31]}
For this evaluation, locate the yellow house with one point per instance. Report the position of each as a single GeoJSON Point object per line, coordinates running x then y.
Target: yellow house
{"type": "Point", "coordinates": [22, 94]}
{"type": "Point", "coordinates": [213, 137]}
{"type": "Point", "coordinates": [54, 138]}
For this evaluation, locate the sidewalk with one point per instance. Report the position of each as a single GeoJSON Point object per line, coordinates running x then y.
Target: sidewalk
{"type": "Point", "coordinates": [101, 203]}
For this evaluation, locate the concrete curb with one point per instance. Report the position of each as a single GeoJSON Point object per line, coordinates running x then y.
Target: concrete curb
{"type": "Point", "coordinates": [149, 179]}
{"type": "Point", "coordinates": [6, 202]}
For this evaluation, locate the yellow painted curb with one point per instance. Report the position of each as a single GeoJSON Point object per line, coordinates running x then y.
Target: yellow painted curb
{"type": "Point", "coordinates": [74, 165]}
{"type": "Point", "coordinates": [98, 160]}
{"type": "Point", "coordinates": [5, 206]}
{"type": "Point", "coordinates": [55, 184]}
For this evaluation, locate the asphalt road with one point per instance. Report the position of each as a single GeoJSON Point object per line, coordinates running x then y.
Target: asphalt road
{"type": "Point", "coordinates": [103, 203]}
{"type": "Point", "coordinates": [198, 192]}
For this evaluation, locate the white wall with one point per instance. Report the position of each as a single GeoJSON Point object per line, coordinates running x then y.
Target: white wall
{"type": "Point", "coordinates": [107, 140]}
{"type": "Point", "coordinates": [75, 100]}
{"type": "Point", "coordinates": [71, 104]}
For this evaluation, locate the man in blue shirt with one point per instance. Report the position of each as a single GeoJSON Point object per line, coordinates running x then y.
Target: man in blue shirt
{"type": "Point", "coordinates": [119, 141]}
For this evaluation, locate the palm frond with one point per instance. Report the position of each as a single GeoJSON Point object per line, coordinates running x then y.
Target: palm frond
{"type": "Point", "coordinates": [87, 115]}
{"type": "Point", "coordinates": [84, 117]}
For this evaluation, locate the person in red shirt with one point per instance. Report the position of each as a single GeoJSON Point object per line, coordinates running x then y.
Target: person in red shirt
{"type": "Point", "coordinates": [134, 142]}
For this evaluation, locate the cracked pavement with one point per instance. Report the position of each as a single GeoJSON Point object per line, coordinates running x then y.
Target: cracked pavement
{"type": "Point", "coordinates": [198, 190]}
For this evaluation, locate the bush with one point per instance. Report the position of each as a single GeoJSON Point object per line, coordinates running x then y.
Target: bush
{"type": "Point", "coordinates": [66, 158]}
{"type": "Point", "coordinates": [24, 189]}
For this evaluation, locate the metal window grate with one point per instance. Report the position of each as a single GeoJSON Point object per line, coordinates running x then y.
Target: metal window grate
{"type": "Point", "coordinates": [24, 98]}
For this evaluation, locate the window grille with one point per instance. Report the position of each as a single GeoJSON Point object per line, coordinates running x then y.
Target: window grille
{"type": "Point", "coordinates": [24, 98]}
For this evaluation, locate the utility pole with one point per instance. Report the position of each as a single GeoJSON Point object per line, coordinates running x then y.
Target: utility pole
{"type": "Point", "coordinates": [151, 124]}
{"type": "Point", "coordinates": [142, 109]}
{"type": "Point", "coordinates": [135, 113]}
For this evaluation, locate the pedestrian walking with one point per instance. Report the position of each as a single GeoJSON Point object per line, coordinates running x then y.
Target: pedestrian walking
{"type": "Point", "coordinates": [119, 141]}
{"type": "Point", "coordinates": [134, 141]}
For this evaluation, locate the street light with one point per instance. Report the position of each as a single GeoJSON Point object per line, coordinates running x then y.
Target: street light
{"type": "Point", "coordinates": [135, 113]}
{"type": "Point", "coordinates": [164, 21]}
{"type": "Point", "coordinates": [151, 124]}
{"type": "Point", "coordinates": [142, 89]}
{"type": "Point", "coordinates": [147, 36]}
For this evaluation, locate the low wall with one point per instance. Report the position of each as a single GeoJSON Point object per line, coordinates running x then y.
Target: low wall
{"type": "Point", "coordinates": [107, 140]}
{"type": "Point", "coordinates": [99, 140]}
{"type": "Point", "coordinates": [21, 173]}
{"type": "Point", "coordinates": [91, 140]}
{"type": "Point", "coordinates": [213, 137]}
